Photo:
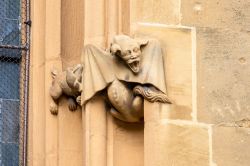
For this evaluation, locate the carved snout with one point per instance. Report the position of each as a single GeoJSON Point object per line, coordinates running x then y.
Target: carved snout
{"type": "Point", "coordinates": [74, 77]}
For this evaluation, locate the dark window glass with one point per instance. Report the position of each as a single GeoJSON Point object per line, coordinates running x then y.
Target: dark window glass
{"type": "Point", "coordinates": [9, 82]}
{"type": "Point", "coordinates": [10, 22]}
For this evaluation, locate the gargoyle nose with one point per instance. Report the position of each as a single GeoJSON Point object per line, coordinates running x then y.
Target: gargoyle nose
{"type": "Point", "coordinates": [133, 56]}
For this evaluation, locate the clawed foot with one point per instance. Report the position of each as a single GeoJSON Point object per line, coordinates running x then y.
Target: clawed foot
{"type": "Point", "coordinates": [72, 104]}
{"type": "Point", "coordinates": [78, 100]}
{"type": "Point", "coordinates": [54, 108]}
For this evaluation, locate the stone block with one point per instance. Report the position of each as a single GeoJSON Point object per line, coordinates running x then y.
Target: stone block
{"type": "Point", "coordinates": [223, 75]}
{"type": "Point", "coordinates": [160, 11]}
{"type": "Point", "coordinates": [179, 145]}
{"type": "Point", "coordinates": [231, 146]}
{"type": "Point", "coordinates": [177, 45]}
{"type": "Point", "coordinates": [216, 14]}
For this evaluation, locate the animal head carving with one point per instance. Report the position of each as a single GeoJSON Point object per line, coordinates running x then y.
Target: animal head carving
{"type": "Point", "coordinates": [74, 77]}
{"type": "Point", "coordinates": [129, 50]}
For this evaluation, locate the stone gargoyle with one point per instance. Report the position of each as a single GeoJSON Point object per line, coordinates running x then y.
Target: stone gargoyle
{"type": "Point", "coordinates": [68, 83]}
{"type": "Point", "coordinates": [131, 71]}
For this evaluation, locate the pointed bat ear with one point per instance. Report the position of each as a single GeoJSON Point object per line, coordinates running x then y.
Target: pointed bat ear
{"type": "Point", "coordinates": [142, 42]}
{"type": "Point", "coordinates": [115, 49]}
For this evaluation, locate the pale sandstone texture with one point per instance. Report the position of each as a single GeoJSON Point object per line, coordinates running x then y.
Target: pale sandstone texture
{"type": "Point", "coordinates": [221, 41]}
{"type": "Point", "coordinates": [222, 57]}
{"type": "Point", "coordinates": [177, 46]}
{"type": "Point", "coordinates": [207, 48]}
{"type": "Point", "coordinates": [231, 146]}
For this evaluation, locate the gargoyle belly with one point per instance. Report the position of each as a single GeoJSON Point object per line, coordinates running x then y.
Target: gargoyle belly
{"type": "Point", "coordinates": [123, 100]}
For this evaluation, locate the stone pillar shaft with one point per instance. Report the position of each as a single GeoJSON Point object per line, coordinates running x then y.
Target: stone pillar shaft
{"type": "Point", "coordinates": [155, 134]}
{"type": "Point", "coordinates": [95, 128]}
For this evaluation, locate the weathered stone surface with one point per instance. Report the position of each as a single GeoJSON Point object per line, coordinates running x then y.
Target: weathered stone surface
{"type": "Point", "coordinates": [70, 157]}
{"type": "Point", "coordinates": [160, 11]}
{"type": "Point", "coordinates": [94, 132]}
{"type": "Point", "coordinates": [169, 144]}
{"type": "Point", "coordinates": [70, 126]}
{"type": "Point", "coordinates": [231, 146]}
{"type": "Point", "coordinates": [223, 75]}
{"type": "Point", "coordinates": [173, 142]}
{"type": "Point", "coordinates": [216, 13]}
{"type": "Point", "coordinates": [177, 44]}
{"type": "Point", "coordinates": [72, 32]}
{"type": "Point", "coordinates": [128, 144]}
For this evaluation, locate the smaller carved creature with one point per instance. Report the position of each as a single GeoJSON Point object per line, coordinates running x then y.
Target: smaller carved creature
{"type": "Point", "coordinates": [68, 83]}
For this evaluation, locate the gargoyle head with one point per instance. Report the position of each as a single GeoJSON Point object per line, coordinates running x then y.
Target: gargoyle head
{"type": "Point", "coordinates": [129, 50]}
{"type": "Point", "coordinates": [74, 77]}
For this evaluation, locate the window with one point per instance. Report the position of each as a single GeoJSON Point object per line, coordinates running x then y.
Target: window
{"type": "Point", "coordinates": [14, 64]}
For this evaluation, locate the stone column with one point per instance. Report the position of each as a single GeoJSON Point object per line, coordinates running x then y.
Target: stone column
{"type": "Point", "coordinates": [155, 134]}
{"type": "Point", "coordinates": [95, 132]}
{"type": "Point", "coordinates": [52, 60]}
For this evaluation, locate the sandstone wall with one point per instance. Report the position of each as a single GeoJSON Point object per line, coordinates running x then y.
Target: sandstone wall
{"type": "Point", "coordinates": [60, 29]}
{"type": "Point", "coordinates": [221, 97]}
{"type": "Point", "coordinates": [207, 52]}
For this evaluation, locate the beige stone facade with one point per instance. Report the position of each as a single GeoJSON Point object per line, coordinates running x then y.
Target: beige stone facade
{"type": "Point", "coordinates": [207, 49]}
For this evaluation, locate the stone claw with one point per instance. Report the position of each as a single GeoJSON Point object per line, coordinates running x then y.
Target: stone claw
{"type": "Point", "coordinates": [72, 106]}
{"type": "Point", "coordinates": [53, 109]}
{"type": "Point", "coordinates": [78, 100]}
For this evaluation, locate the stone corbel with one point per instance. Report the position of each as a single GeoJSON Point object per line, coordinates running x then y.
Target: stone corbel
{"type": "Point", "coordinates": [131, 72]}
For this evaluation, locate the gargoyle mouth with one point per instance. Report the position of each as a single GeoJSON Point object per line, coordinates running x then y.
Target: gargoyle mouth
{"type": "Point", "coordinates": [134, 66]}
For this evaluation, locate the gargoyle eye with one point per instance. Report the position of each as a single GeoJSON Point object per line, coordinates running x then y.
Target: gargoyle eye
{"type": "Point", "coordinates": [129, 51]}
{"type": "Point", "coordinates": [136, 49]}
